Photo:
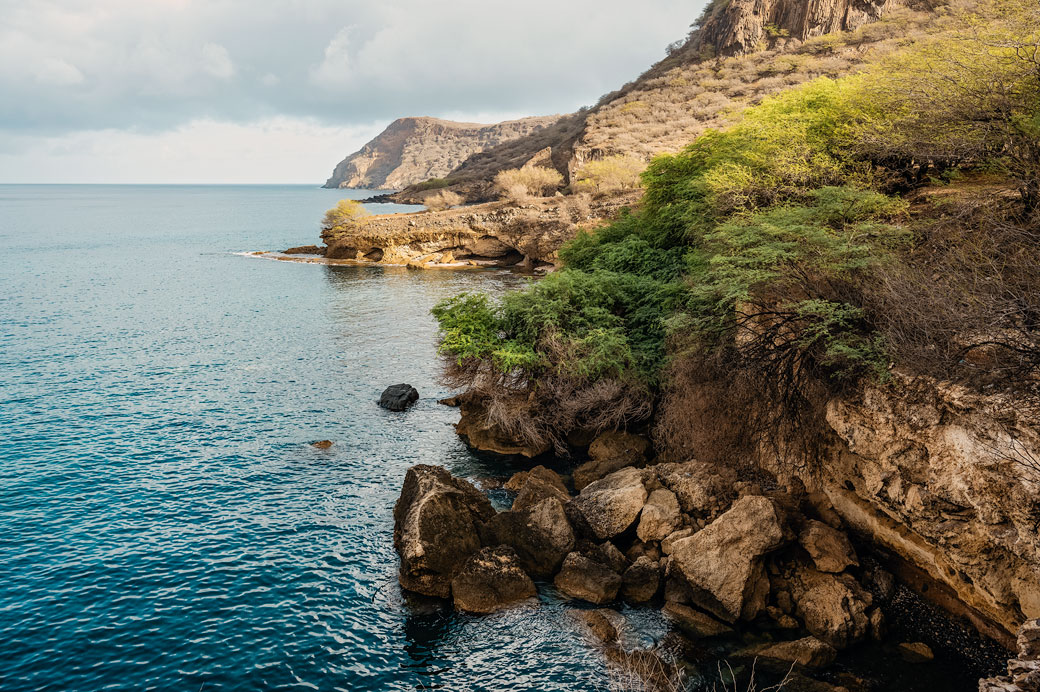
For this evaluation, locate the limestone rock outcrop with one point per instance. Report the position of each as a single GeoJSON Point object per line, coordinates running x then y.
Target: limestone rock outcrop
{"type": "Point", "coordinates": [587, 580]}
{"type": "Point", "coordinates": [611, 505]}
{"type": "Point", "coordinates": [540, 534]}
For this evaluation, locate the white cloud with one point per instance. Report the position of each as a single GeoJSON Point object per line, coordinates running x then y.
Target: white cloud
{"type": "Point", "coordinates": [334, 69]}
{"type": "Point", "coordinates": [55, 71]}
{"type": "Point", "coordinates": [217, 62]}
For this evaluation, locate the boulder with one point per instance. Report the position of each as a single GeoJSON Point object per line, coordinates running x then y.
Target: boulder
{"type": "Point", "coordinates": [809, 652]}
{"type": "Point", "coordinates": [695, 623]}
{"type": "Point", "coordinates": [517, 481]}
{"type": "Point", "coordinates": [610, 506]}
{"type": "Point", "coordinates": [641, 580]}
{"type": "Point", "coordinates": [605, 553]}
{"type": "Point", "coordinates": [829, 548]}
{"type": "Point", "coordinates": [722, 563]}
{"type": "Point", "coordinates": [537, 487]}
{"type": "Point", "coordinates": [479, 433]}
{"type": "Point", "coordinates": [437, 522]}
{"type": "Point", "coordinates": [703, 490]}
{"type": "Point", "coordinates": [610, 452]}
{"type": "Point", "coordinates": [490, 580]}
{"type": "Point", "coordinates": [833, 607]}
{"type": "Point", "coordinates": [590, 581]}
{"type": "Point", "coordinates": [398, 397]}
{"type": "Point", "coordinates": [660, 516]}
{"type": "Point", "coordinates": [540, 535]}
{"type": "Point", "coordinates": [916, 652]}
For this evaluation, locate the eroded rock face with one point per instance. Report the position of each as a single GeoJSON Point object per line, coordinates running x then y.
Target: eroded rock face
{"type": "Point", "coordinates": [1024, 670]}
{"type": "Point", "coordinates": [490, 580]}
{"type": "Point", "coordinates": [437, 522]}
{"type": "Point", "coordinates": [540, 534]}
{"type": "Point", "coordinates": [927, 471]}
{"type": "Point", "coordinates": [610, 506]}
{"type": "Point", "coordinates": [722, 564]}
{"type": "Point", "coordinates": [589, 581]}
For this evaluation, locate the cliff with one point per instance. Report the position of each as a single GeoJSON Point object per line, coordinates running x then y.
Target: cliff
{"type": "Point", "coordinates": [739, 53]}
{"type": "Point", "coordinates": [412, 150]}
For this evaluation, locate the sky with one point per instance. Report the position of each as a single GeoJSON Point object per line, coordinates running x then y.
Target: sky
{"type": "Point", "coordinates": [279, 91]}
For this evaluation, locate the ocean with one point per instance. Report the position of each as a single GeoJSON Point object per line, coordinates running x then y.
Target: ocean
{"type": "Point", "coordinates": [165, 523]}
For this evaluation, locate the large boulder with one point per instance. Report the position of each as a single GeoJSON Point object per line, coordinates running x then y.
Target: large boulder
{"type": "Point", "coordinates": [610, 505]}
{"type": "Point", "coordinates": [610, 452]}
{"type": "Point", "coordinates": [540, 534]}
{"type": "Point", "coordinates": [833, 607]}
{"type": "Point", "coordinates": [398, 397]}
{"type": "Point", "coordinates": [829, 548]}
{"type": "Point", "coordinates": [490, 580]}
{"type": "Point", "coordinates": [660, 516]}
{"type": "Point", "coordinates": [703, 490]}
{"type": "Point", "coordinates": [480, 433]}
{"type": "Point", "coordinates": [590, 581]}
{"type": "Point", "coordinates": [722, 563]}
{"type": "Point", "coordinates": [437, 522]}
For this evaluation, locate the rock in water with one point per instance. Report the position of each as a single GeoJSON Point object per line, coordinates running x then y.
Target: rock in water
{"type": "Point", "coordinates": [641, 581]}
{"type": "Point", "coordinates": [490, 580]}
{"type": "Point", "coordinates": [437, 522]}
{"type": "Point", "coordinates": [590, 581]}
{"type": "Point", "coordinates": [722, 563]}
{"type": "Point", "coordinates": [398, 397]}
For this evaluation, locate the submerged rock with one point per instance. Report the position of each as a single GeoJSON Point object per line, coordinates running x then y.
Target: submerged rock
{"type": "Point", "coordinates": [490, 580]}
{"type": "Point", "coordinates": [398, 397]}
{"type": "Point", "coordinates": [322, 444]}
{"type": "Point", "coordinates": [437, 523]}
{"type": "Point", "coordinates": [589, 581]}
{"type": "Point", "coordinates": [599, 623]}
{"type": "Point", "coordinates": [722, 564]}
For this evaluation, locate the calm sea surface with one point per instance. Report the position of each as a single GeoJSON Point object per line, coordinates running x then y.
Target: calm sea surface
{"type": "Point", "coordinates": [164, 523]}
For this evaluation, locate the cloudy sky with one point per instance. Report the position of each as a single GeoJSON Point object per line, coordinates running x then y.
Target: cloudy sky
{"type": "Point", "coordinates": [280, 90]}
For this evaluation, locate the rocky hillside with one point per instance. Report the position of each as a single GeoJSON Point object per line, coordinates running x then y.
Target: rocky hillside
{"type": "Point", "coordinates": [738, 53]}
{"type": "Point", "coordinates": [413, 150]}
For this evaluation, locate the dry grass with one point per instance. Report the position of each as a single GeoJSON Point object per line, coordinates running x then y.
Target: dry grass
{"type": "Point", "coordinates": [442, 201]}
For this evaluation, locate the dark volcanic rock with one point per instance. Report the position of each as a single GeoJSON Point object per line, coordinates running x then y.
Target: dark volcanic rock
{"type": "Point", "coordinates": [437, 522]}
{"type": "Point", "coordinates": [398, 397]}
{"type": "Point", "coordinates": [490, 580]}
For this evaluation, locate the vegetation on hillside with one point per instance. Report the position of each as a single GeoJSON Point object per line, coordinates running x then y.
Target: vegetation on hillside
{"type": "Point", "coordinates": [777, 260]}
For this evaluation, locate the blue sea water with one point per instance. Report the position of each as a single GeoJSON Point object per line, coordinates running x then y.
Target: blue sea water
{"type": "Point", "coordinates": [164, 522]}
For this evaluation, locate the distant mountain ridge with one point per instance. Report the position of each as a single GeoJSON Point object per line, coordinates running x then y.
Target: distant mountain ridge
{"type": "Point", "coordinates": [411, 150]}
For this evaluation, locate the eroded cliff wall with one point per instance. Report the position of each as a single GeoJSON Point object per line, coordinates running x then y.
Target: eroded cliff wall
{"type": "Point", "coordinates": [412, 150]}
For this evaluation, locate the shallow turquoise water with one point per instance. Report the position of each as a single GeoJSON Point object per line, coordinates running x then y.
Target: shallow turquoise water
{"type": "Point", "coordinates": [164, 523]}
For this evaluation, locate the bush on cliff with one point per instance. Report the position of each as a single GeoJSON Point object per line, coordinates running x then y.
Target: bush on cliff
{"type": "Point", "coordinates": [346, 214]}
{"type": "Point", "coordinates": [518, 184]}
{"type": "Point", "coordinates": [761, 254]}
